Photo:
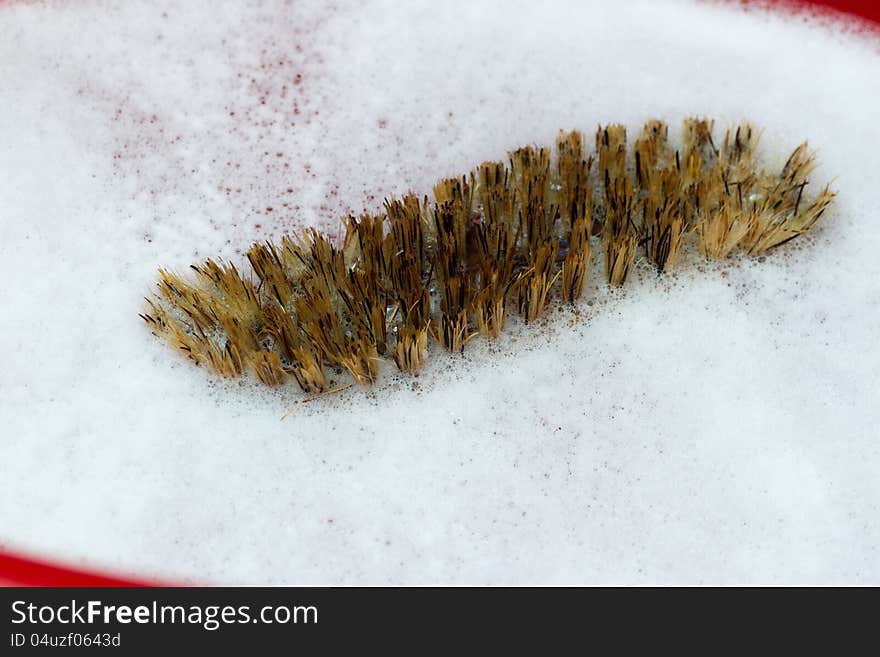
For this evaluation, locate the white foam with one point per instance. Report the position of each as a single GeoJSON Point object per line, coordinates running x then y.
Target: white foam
{"type": "Point", "coordinates": [717, 425]}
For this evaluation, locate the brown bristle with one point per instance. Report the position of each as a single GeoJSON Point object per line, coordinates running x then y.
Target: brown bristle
{"type": "Point", "coordinates": [499, 231]}
{"type": "Point", "coordinates": [365, 302]}
{"type": "Point", "coordinates": [456, 190]}
{"type": "Point", "coordinates": [697, 140]}
{"type": "Point", "coordinates": [652, 153]}
{"type": "Point", "coordinates": [365, 243]}
{"type": "Point", "coordinates": [663, 211]}
{"type": "Point", "coordinates": [411, 349]}
{"type": "Point", "coordinates": [361, 360]}
{"type": "Point", "coordinates": [496, 248]}
{"type": "Point", "coordinates": [308, 370]}
{"type": "Point", "coordinates": [497, 195]}
{"type": "Point", "coordinates": [531, 173]}
{"type": "Point", "coordinates": [781, 211]}
{"type": "Point", "coordinates": [576, 202]}
{"type": "Point", "coordinates": [266, 365]}
{"type": "Point", "coordinates": [611, 147]}
{"type": "Point", "coordinates": [407, 264]}
{"type": "Point", "coordinates": [576, 263]}
{"type": "Point", "coordinates": [621, 235]}
{"type": "Point", "coordinates": [456, 301]}
{"type": "Point", "coordinates": [575, 193]}
{"type": "Point", "coordinates": [266, 263]}
{"type": "Point", "coordinates": [533, 285]}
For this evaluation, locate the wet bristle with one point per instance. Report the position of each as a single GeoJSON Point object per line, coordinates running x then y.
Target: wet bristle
{"type": "Point", "coordinates": [503, 234]}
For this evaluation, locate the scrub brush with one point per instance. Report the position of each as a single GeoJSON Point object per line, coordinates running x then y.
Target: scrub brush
{"type": "Point", "coordinates": [515, 235]}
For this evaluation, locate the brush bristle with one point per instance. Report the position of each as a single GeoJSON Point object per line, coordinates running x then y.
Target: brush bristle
{"type": "Point", "coordinates": [500, 235]}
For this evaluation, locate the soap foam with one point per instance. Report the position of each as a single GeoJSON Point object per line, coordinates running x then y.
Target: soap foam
{"type": "Point", "coordinates": [714, 425]}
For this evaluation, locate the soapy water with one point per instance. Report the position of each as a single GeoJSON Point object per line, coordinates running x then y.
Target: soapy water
{"type": "Point", "coordinates": [717, 424]}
